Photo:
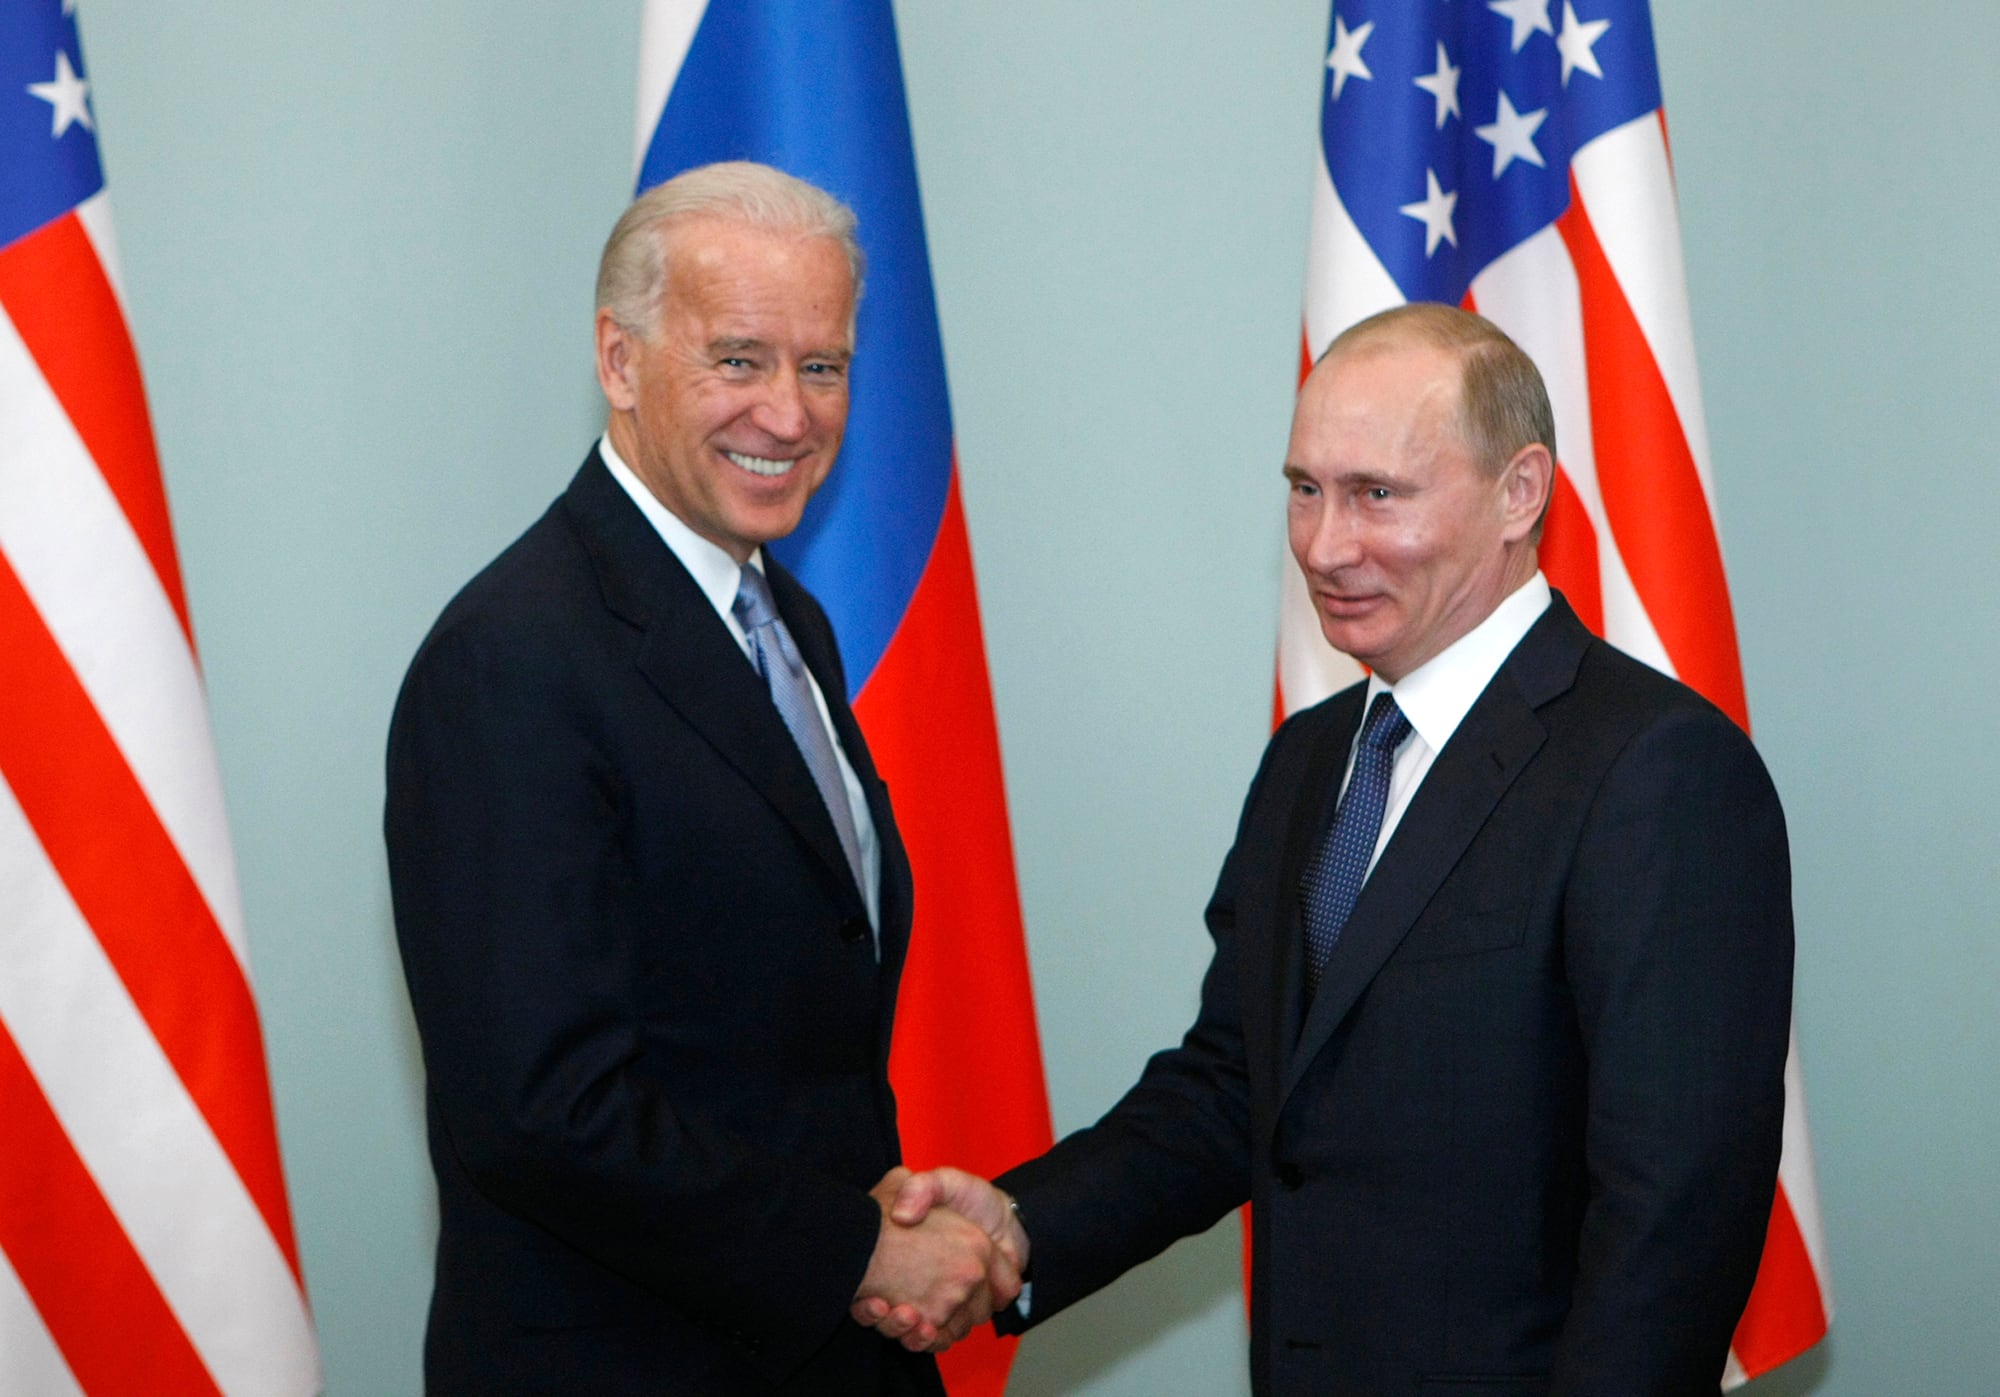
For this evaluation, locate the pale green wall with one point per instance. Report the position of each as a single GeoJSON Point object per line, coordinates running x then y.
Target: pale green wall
{"type": "Point", "coordinates": [358, 241]}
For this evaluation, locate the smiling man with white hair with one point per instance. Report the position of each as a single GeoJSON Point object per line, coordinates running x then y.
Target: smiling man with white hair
{"type": "Point", "coordinates": [648, 888]}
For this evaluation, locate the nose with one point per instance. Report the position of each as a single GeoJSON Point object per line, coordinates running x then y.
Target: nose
{"type": "Point", "coordinates": [782, 412]}
{"type": "Point", "coordinates": [1330, 542]}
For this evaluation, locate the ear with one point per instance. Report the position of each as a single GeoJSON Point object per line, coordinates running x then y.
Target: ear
{"type": "Point", "coordinates": [617, 369]}
{"type": "Point", "coordinates": [1525, 482]}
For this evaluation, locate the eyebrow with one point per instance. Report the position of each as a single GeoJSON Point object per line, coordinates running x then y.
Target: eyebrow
{"type": "Point", "coordinates": [1363, 479]}
{"type": "Point", "coordinates": [737, 344]}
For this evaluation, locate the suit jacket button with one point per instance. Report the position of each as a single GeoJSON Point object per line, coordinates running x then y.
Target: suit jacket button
{"type": "Point", "coordinates": [1291, 1177]}
{"type": "Point", "coordinates": [854, 930]}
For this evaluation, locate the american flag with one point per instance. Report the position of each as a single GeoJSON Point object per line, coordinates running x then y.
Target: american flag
{"type": "Point", "coordinates": [1511, 156]}
{"type": "Point", "coordinates": [145, 1239]}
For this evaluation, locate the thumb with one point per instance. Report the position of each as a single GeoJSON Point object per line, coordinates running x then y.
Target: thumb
{"type": "Point", "coordinates": [915, 1199]}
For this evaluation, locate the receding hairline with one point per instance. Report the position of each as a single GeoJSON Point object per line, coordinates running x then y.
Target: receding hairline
{"type": "Point", "coordinates": [1419, 324]}
{"type": "Point", "coordinates": [1504, 411]}
{"type": "Point", "coordinates": [679, 235]}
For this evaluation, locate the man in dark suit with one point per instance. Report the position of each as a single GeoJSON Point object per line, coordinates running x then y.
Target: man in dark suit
{"type": "Point", "coordinates": [1495, 1031]}
{"type": "Point", "coordinates": [648, 889]}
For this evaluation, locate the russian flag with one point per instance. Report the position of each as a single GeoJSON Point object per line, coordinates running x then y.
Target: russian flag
{"type": "Point", "coordinates": [817, 90]}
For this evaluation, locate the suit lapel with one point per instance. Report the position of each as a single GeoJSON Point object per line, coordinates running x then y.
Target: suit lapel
{"type": "Point", "coordinates": [815, 643]}
{"type": "Point", "coordinates": [1498, 737]}
{"type": "Point", "coordinates": [688, 655]}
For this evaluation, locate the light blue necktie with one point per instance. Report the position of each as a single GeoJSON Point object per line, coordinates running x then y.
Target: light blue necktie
{"type": "Point", "coordinates": [784, 669]}
{"type": "Point", "coordinates": [1334, 877]}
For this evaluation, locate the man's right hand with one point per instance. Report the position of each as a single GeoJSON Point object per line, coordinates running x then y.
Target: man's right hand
{"type": "Point", "coordinates": [935, 1277]}
{"type": "Point", "coordinates": [913, 1201]}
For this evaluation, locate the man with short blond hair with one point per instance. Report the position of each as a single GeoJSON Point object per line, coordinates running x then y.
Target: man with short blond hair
{"type": "Point", "coordinates": [1495, 1030]}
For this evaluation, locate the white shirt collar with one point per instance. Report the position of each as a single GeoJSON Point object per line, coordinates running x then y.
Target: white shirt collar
{"type": "Point", "coordinates": [1437, 694]}
{"type": "Point", "coordinates": [713, 570]}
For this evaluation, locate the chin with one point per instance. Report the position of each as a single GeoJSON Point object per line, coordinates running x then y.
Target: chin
{"type": "Point", "coordinates": [1349, 642]}
{"type": "Point", "coordinates": [765, 529]}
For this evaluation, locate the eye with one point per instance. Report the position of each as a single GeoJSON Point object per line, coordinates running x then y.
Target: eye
{"type": "Point", "coordinates": [1376, 494]}
{"type": "Point", "coordinates": [1304, 488]}
{"type": "Point", "coordinates": [820, 368]}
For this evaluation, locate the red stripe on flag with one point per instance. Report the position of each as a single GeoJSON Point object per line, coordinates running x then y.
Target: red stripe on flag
{"type": "Point", "coordinates": [89, 1285]}
{"type": "Point", "coordinates": [56, 293]}
{"type": "Point", "coordinates": [1784, 1317]}
{"type": "Point", "coordinates": [1568, 554]}
{"type": "Point", "coordinates": [966, 995]}
{"type": "Point", "coordinates": [129, 882]}
{"type": "Point", "coordinates": [1653, 498]}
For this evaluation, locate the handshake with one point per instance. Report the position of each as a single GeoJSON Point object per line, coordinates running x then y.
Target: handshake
{"type": "Point", "coordinates": [951, 1252]}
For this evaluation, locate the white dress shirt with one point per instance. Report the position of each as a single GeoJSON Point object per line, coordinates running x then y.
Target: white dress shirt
{"type": "Point", "coordinates": [716, 573]}
{"type": "Point", "coordinates": [1436, 696]}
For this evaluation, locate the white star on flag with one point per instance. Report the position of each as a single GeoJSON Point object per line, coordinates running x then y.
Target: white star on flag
{"type": "Point", "coordinates": [1575, 43]}
{"type": "Point", "coordinates": [1512, 135]}
{"type": "Point", "coordinates": [67, 94]}
{"type": "Point", "coordinates": [1528, 16]}
{"type": "Point", "coordinates": [1443, 86]}
{"type": "Point", "coordinates": [1345, 60]}
{"type": "Point", "coordinates": [1434, 211]}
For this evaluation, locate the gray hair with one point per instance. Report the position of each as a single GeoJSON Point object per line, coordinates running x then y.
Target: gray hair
{"type": "Point", "coordinates": [633, 270]}
{"type": "Point", "coordinates": [1502, 402]}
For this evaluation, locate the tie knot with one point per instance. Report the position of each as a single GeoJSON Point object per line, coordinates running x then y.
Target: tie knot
{"type": "Point", "coordinates": [753, 605]}
{"type": "Point", "coordinates": [755, 610]}
{"type": "Point", "coordinates": [1386, 726]}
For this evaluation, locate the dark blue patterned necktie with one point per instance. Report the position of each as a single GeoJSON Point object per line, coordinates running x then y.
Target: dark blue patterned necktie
{"type": "Point", "coordinates": [1334, 877]}
{"type": "Point", "coordinates": [784, 669]}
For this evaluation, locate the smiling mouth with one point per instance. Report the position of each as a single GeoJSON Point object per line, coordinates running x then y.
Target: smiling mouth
{"type": "Point", "coordinates": [761, 465]}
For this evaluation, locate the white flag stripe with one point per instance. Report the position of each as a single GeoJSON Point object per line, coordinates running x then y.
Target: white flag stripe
{"type": "Point", "coordinates": [1345, 280]}
{"type": "Point", "coordinates": [30, 1362]}
{"type": "Point", "coordinates": [1796, 1174]}
{"type": "Point", "coordinates": [1531, 292]}
{"type": "Point", "coordinates": [65, 535]}
{"type": "Point", "coordinates": [1626, 622]}
{"type": "Point", "coordinates": [1627, 188]}
{"type": "Point", "coordinates": [94, 214]}
{"type": "Point", "coordinates": [666, 31]}
{"type": "Point", "coordinates": [141, 1136]}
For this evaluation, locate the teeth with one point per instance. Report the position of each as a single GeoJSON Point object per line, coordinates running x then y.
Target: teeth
{"type": "Point", "coordinates": [759, 465]}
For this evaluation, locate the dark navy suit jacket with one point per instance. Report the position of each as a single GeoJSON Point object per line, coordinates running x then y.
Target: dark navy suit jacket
{"type": "Point", "coordinates": [655, 1032]}
{"type": "Point", "coordinates": [1525, 1139]}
